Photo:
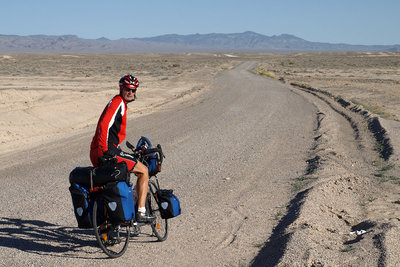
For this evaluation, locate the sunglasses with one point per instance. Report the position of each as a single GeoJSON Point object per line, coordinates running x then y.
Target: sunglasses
{"type": "Point", "coordinates": [128, 89]}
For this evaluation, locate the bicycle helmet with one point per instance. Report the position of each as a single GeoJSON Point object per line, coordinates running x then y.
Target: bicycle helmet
{"type": "Point", "coordinates": [128, 81]}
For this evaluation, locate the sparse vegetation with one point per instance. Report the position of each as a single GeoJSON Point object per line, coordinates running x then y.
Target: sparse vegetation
{"type": "Point", "coordinates": [371, 199]}
{"type": "Point", "coordinates": [258, 245]}
{"type": "Point", "coordinates": [375, 109]}
{"type": "Point", "coordinates": [278, 215]}
{"type": "Point", "coordinates": [347, 249]}
{"type": "Point", "coordinates": [302, 181]}
{"type": "Point", "coordinates": [378, 163]}
{"type": "Point", "coordinates": [364, 203]}
{"type": "Point", "coordinates": [389, 178]}
{"type": "Point", "coordinates": [299, 84]}
{"type": "Point", "coordinates": [387, 167]}
{"type": "Point", "coordinates": [243, 264]}
{"type": "Point", "coordinates": [262, 71]}
{"type": "Point", "coordinates": [395, 179]}
{"type": "Point", "coordinates": [383, 170]}
{"type": "Point", "coordinates": [379, 146]}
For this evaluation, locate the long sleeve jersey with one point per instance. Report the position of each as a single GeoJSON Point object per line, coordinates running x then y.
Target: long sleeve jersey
{"type": "Point", "coordinates": [111, 128]}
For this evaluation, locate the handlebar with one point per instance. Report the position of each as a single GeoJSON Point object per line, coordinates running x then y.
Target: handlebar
{"type": "Point", "coordinates": [152, 150]}
{"type": "Point", "coordinates": [139, 153]}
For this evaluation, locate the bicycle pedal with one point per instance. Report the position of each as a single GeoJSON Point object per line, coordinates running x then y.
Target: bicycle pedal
{"type": "Point", "coordinates": [135, 230]}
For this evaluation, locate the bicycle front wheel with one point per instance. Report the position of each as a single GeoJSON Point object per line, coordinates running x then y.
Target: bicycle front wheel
{"type": "Point", "coordinates": [112, 239]}
{"type": "Point", "coordinates": [160, 225]}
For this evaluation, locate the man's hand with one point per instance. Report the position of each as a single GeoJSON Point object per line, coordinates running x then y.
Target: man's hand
{"type": "Point", "coordinates": [109, 154]}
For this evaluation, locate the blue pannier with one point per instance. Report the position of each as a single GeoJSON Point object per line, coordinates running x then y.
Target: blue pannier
{"type": "Point", "coordinates": [168, 203]}
{"type": "Point", "coordinates": [82, 204]}
{"type": "Point", "coordinates": [118, 199]}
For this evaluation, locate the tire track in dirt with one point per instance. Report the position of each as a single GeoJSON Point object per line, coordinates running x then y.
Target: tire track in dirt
{"type": "Point", "coordinates": [335, 197]}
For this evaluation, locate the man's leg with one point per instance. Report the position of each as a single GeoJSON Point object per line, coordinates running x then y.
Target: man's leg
{"type": "Point", "coordinates": [142, 173]}
{"type": "Point", "coordinates": [142, 183]}
{"type": "Point", "coordinates": [142, 186]}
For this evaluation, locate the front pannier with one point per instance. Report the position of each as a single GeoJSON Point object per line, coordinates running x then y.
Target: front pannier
{"type": "Point", "coordinates": [118, 199]}
{"type": "Point", "coordinates": [168, 203]}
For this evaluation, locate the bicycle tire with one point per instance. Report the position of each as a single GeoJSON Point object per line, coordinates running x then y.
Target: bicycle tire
{"type": "Point", "coordinates": [114, 239]}
{"type": "Point", "coordinates": [160, 225]}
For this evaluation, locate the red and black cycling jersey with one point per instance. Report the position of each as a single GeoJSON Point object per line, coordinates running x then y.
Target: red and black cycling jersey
{"type": "Point", "coordinates": [111, 128]}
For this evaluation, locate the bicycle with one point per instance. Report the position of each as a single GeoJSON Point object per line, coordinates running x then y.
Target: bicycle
{"type": "Point", "coordinates": [113, 238]}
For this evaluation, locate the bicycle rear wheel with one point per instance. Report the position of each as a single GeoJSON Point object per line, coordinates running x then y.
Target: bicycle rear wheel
{"type": "Point", "coordinates": [112, 239]}
{"type": "Point", "coordinates": [160, 225]}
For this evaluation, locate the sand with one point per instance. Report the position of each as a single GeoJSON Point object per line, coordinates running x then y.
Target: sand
{"type": "Point", "coordinates": [45, 97]}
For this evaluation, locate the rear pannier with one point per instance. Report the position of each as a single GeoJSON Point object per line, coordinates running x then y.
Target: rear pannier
{"type": "Point", "coordinates": [118, 199]}
{"type": "Point", "coordinates": [82, 205]}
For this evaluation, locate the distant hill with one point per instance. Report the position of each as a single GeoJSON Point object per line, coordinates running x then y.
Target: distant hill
{"type": "Point", "coordinates": [173, 43]}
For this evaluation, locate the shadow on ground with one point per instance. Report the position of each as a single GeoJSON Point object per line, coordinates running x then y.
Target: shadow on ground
{"type": "Point", "coordinates": [274, 249]}
{"type": "Point", "coordinates": [42, 238]}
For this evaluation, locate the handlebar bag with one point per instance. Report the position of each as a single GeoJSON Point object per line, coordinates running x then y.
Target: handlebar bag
{"type": "Point", "coordinates": [143, 143]}
{"type": "Point", "coordinates": [82, 205]}
{"type": "Point", "coordinates": [118, 199]}
{"type": "Point", "coordinates": [168, 203]}
{"type": "Point", "coordinates": [152, 160]}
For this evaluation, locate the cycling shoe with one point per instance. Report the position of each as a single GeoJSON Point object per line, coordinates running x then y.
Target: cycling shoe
{"type": "Point", "coordinates": [144, 218]}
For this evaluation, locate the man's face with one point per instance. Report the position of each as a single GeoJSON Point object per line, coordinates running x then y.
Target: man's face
{"type": "Point", "coordinates": [128, 94]}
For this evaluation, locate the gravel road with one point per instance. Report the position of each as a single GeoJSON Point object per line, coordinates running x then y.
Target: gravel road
{"type": "Point", "coordinates": [232, 153]}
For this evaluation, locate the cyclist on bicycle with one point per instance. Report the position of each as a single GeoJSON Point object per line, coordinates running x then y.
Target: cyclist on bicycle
{"type": "Point", "coordinates": [111, 132]}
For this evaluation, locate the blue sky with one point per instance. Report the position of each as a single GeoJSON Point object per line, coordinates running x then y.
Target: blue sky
{"type": "Point", "coordinates": [333, 21]}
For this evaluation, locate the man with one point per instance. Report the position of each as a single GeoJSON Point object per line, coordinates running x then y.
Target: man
{"type": "Point", "coordinates": [111, 132]}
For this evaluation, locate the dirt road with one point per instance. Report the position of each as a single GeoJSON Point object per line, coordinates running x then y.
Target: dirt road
{"type": "Point", "coordinates": [231, 155]}
{"type": "Point", "coordinates": [267, 174]}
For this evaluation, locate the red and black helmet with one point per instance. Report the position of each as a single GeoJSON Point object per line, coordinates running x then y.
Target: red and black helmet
{"type": "Point", "coordinates": [128, 81]}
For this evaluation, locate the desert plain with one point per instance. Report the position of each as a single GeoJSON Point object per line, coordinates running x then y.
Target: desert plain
{"type": "Point", "coordinates": [46, 97]}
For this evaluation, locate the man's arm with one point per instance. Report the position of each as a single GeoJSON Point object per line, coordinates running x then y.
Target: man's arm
{"type": "Point", "coordinates": [107, 121]}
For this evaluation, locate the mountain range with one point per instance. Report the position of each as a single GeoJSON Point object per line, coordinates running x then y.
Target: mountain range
{"type": "Point", "coordinates": [173, 43]}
